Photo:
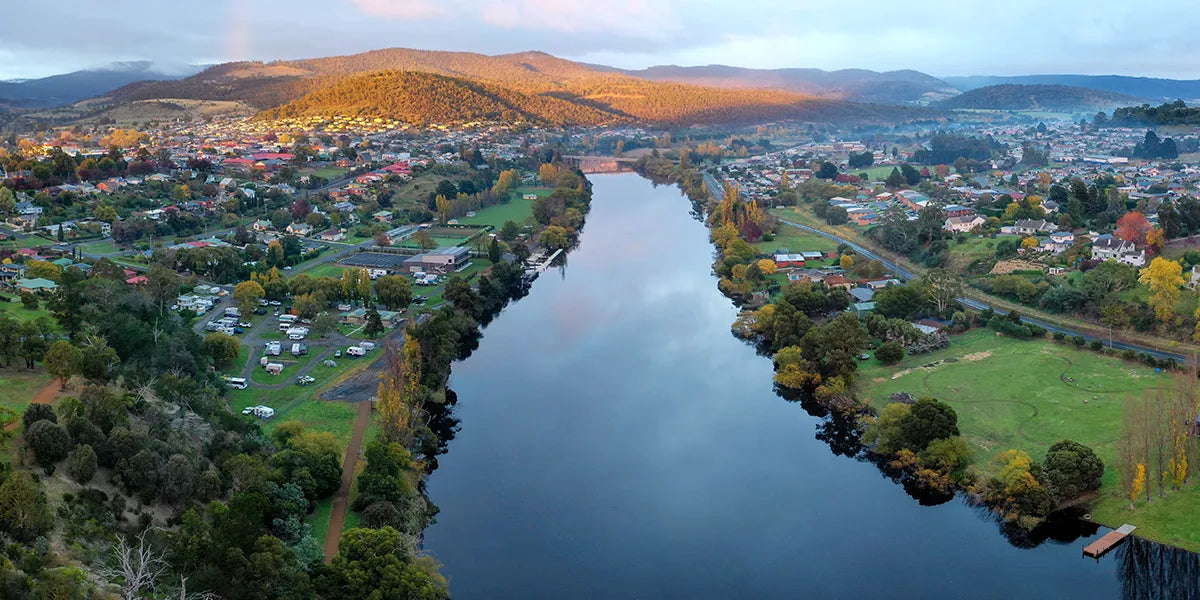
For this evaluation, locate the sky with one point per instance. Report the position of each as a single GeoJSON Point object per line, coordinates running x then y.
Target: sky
{"type": "Point", "coordinates": [1153, 38]}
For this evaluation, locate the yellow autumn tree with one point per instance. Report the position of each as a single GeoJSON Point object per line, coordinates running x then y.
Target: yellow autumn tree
{"type": "Point", "coordinates": [401, 413]}
{"type": "Point", "coordinates": [1138, 484]}
{"type": "Point", "coordinates": [1164, 278]}
{"type": "Point", "coordinates": [1029, 243]}
{"type": "Point", "coordinates": [548, 173]}
{"type": "Point", "coordinates": [443, 208]}
{"type": "Point", "coordinates": [846, 262]}
{"type": "Point", "coordinates": [767, 266]}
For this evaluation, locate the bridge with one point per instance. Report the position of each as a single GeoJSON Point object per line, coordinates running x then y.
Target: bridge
{"type": "Point", "coordinates": [602, 164]}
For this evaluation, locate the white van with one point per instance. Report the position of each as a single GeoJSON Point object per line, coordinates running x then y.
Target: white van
{"type": "Point", "coordinates": [237, 383]}
{"type": "Point", "coordinates": [368, 346]}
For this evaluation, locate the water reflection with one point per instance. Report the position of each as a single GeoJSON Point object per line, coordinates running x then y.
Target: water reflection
{"type": "Point", "coordinates": [1150, 571]}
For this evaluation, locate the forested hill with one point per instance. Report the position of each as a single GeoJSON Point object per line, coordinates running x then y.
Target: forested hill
{"type": "Point", "coordinates": [1037, 97]}
{"type": "Point", "coordinates": [423, 98]}
{"type": "Point", "coordinates": [532, 86]}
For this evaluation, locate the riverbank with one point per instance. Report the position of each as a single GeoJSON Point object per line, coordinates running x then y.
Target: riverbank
{"type": "Point", "coordinates": [631, 426]}
{"type": "Point", "coordinates": [1038, 429]}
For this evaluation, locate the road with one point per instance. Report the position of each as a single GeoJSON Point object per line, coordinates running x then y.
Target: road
{"type": "Point", "coordinates": [715, 188]}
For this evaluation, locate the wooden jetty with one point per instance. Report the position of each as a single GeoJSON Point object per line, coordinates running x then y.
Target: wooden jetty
{"type": "Point", "coordinates": [1110, 540]}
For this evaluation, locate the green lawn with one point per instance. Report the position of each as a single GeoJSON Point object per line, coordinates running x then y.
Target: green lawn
{"type": "Point", "coordinates": [796, 240]}
{"type": "Point", "coordinates": [100, 247]}
{"type": "Point", "coordinates": [517, 210]}
{"type": "Point", "coordinates": [17, 311]}
{"type": "Point", "coordinates": [18, 387]}
{"type": "Point", "coordinates": [1012, 394]}
{"type": "Point", "coordinates": [328, 269]}
{"type": "Point", "coordinates": [319, 519]}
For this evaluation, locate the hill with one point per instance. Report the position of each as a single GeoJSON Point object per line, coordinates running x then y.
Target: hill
{"type": "Point", "coordinates": [78, 85]}
{"type": "Point", "coordinates": [532, 86]}
{"type": "Point", "coordinates": [426, 98]}
{"type": "Point", "coordinates": [1037, 97]}
{"type": "Point", "coordinates": [859, 85]}
{"type": "Point", "coordinates": [1138, 87]}
{"type": "Point", "coordinates": [423, 98]}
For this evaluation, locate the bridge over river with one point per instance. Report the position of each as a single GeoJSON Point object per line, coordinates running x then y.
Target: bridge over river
{"type": "Point", "coordinates": [602, 164]}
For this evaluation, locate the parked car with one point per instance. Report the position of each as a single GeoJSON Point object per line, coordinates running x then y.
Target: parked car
{"type": "Point", "coordinates": [239, 330]}
{"type": "Point", "coordinates": [305, 380]}
{"type": "Point", "coordinates": [246, 324]}
{"type": "Point", "coordinates": [337, 353]}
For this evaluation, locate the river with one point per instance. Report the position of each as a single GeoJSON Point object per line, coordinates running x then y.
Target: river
{"type": "Point", "coordinates": [618, 442]}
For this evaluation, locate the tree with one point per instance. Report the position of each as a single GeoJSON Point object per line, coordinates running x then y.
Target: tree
{"type": "Point", "coordinates": [381, 563]}
{"type": "Point", "coordinates": [38, 412]}
{"type": "Point", "coordinates": [24, 511]}
{"type": "Point", "coordinates": [374, 325]}
{"type": "Point", "coordinates": [766, 266]}
{"type": "Point", "coordinates": [1133, 227]}
{"type": "Point", "coordinates": [306, 306]}
{"type": "Point", "coordinates": [247, 294]}
{"type": "Point", "coordinates": [393, 291]}
{"type": "Point", "coordinates": [323, 324]}
{"type": "Point", "coordinates": [62, 360]}
{"type": "Point", "coordinates": [509, 231]}
{"type": "Point", "coordinates": [222, 348]}
{"type": "Point", "coordinates": [944, 288]}
{"type": "Point", "coordinates": [49, 442]}
{"type": "Point", "coordinates": [494, 251]}
{"type": "Point", "coordinates": [1071, 470]}
{"type": "Point", "coordinates": [555, 237]}
{"type": "Point", "coordinates": [81, 463]}
{"type": "Point", "coordinates": [1138, 484]}
{"type": "Point", "coordinates": [1164, 279]}
{"type": "Point", "coordinates": [901, 301]}
{"type": "Point", "coordinates": [846, 262]}
{"type": "Point", "coordinates": [928, 420]}
{"type": "Point", "coordinates": [890, 353]}
{"type": "Point", "coordinates": [136, 568]}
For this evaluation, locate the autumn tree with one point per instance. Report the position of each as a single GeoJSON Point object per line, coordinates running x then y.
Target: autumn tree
{"type": "Point", "coordinates": [247, 294]}
{"type": "Point", "coordinates": [1164, 277]}
{"type": "Point", "coordinates": [393, 291]}
{"type": "Point", "coordinates": [1133, 227]}
{"type": "Point", "coordinates": [401, 406]}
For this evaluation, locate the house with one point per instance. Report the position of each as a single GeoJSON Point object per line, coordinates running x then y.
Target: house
{"type": "Point", "coordinates": [440, 261]}
{"type": "Point", "coordinates": [12, 271]}
{"type": "Point", "coordinates": [862, 294]}
{"type": "Point", "coordinates": [137, 280]}
{"type": "Point", "coordinates": [1059, 241]}
{"type": "Point", "coordinates": [300, 229]}
{"type": "Point", "coordinates": [37, 284]}
{"type": "Point", "coordinates": [333, 234]}
{"type": "Point", "coordinates": [1033, 226]}
{"type": "Point", "coordinates": [530, 196]}
{"type": "Point", "coordinates": [383, 216]}
{"type": "Point", "coordinates": [358, 316]}
{"type": "Point", "coordinates": [261, 225]}
{"type": "Point", "coordinates": [1108, 247]}
{"type": "Point", "coordinates": [963, 224]}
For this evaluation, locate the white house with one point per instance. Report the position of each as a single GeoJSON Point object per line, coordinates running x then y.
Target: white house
{"type": "Point", "coordinates": [963, 224]}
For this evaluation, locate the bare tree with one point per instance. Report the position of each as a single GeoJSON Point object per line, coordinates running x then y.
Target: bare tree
{"type": "Point", "coordinates": [135, 567]}
{"type": "Point", "coordinates": [185, 595]}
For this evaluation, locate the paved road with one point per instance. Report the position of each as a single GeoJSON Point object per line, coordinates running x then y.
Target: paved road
{"type": "Point", "coordinates": [902, 273]}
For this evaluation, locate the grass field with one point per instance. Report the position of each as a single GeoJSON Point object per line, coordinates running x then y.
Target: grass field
{"type": "Point", "coordinates": [100, 247]}
{"type": "Point", "coordinates": [1028, 395]}
{"type": "Point", "coordinates": [1016, 394]}
{"type": "Point", "coordinates": [18, 387]}
{"type": "Point", "coordinates": [796, 240]}
{"type": "Point", "coordinates": [17, 311]}
{"type": "Point", "coordinates": [328, 269]}
{"type": "Point", "coordinates": [517, 210]}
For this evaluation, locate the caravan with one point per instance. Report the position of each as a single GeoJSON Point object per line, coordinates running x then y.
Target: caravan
{"type": "Point", "coordinates": [356, 351]}
{"type": "Point", "coordinates": [237, 383]}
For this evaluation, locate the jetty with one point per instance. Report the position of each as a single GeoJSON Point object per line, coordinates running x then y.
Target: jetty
{"type": "Point", "coordinates": [1110, 540]}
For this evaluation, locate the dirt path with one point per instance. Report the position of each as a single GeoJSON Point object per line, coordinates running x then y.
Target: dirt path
{"type": "Point", "coordinates": [44, 396]}
{"type": "Point", "coordinates": [341, 502]}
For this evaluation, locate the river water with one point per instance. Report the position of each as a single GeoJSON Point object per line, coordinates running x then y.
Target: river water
{"type": "Point", "coordinates": [618, 442]}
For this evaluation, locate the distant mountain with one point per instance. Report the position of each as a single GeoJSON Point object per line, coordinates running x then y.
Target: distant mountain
{"type": "Point", "coordinates": [72, 87]}
{"type": "Point", "coordinates": [1139, 87]}
{"type": "Point", "coordinates": [1037, 97]}
{"type": "Point", "coordinates": [860, 85]}
{"type": "Point", "coordinates": [534, 86]}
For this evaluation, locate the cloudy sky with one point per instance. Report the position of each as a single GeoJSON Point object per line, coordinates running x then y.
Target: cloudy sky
{"type": "Point", "coordinates": [941, 37]}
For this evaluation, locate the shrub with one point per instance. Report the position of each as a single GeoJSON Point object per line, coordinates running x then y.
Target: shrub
{"type": "Point", "coordinates": [1078, 341]}
{"type": "Point", "coordinates": [1059, 336]}
{"type": "Point", "coordinates": [890, 353]}
{"type": "Point", "coordinates": [1096, 345]}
